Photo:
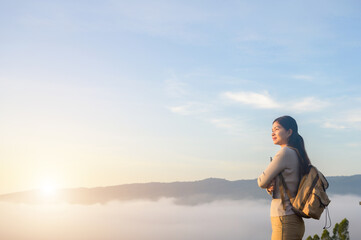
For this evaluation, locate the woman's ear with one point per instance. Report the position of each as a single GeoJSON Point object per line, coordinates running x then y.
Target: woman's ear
{"type": "Point", "coordinates": [289, 132]}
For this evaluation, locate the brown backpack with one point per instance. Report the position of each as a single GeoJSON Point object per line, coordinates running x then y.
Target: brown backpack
{"type": "Point", "coordinates": [311, 198]}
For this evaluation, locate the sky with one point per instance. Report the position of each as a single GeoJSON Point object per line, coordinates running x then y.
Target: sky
{"type": "Point", "coordinates": [98, 93]}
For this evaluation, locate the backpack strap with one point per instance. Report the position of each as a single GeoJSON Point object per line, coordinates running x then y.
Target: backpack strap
{"type": "Point", "coordinates": [283, 185]}
{"type": "Point", "coordinates": [300, 160]}
{"type": "Point", "coordinates": [282, 188]}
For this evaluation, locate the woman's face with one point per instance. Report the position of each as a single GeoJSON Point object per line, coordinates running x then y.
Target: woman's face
{"type": "Point", "coordinates": [280, 135]}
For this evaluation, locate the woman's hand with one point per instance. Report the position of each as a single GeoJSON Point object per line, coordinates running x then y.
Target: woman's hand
{"type": "Point", "coordinates": [271, 187]}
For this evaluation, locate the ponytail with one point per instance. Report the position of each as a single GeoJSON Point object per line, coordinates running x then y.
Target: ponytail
{"type": "Point", "coordinates": [296, 141]}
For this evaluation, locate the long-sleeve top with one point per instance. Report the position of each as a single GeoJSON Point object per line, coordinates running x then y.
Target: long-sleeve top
{"type": "Point", "coordinates": [285, 161]}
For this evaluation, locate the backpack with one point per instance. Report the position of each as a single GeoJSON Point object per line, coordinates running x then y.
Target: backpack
{"type": "Point", "coordinates": [311, 198]}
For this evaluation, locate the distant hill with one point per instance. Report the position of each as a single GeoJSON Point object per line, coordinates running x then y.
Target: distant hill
{"type": "Point", "coordinates": [183, 193]}
{"type": "Point", "coordinates": [344, 185]}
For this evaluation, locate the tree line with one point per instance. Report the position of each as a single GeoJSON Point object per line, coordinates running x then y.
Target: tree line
{"type": "Point", "coordinates": [340, 232]}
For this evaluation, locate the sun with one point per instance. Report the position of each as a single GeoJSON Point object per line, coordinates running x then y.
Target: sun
{"type": "Point", "coordinates": [48, 189]}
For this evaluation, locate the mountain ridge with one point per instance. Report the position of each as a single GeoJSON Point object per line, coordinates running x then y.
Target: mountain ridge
{"type": "Point", "coordinates": [182, 192]}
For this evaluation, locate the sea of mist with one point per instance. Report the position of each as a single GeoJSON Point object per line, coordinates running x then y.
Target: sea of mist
{"type": "Point", "coordinates": [158, 220]}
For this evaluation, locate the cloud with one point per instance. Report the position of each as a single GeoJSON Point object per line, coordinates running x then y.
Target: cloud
{"type": "Point", "coordinates": [175, 87]}
{"type": "Point", "coordinates": [190, 108]}
{"type": "Point", "coordinates": [303, 77]}
{"type": "Point", "coordinates": [250, 37]}
{"type": "Point", "coordinates": [264, 101]}
{"type": "Point", "coordinates": [353, 116]}
{"type": "Point", "coordinates": [333, 125]}
{"type": "Point", "coordinates": [258, 100]}
{"type": "Point", "coordinates": [231, 125]}
{"type": "Point", "coordinates": [345, 119]}
{"type": "Point", "coordinates": [309, 104]}
{"type": "Point", "coordinates": [223, 122]}
{"type": "Point", "coordinates": [350, 119]}
{"type": "Point", "coordinates": [354, 144]}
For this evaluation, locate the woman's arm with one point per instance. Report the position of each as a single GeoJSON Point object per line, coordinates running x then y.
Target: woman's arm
{"type": "Point", "coordinates": [273, 169]}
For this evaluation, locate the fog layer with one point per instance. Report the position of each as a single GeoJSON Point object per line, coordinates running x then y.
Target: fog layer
{"type": "Point", "coordinates": [159, 220]}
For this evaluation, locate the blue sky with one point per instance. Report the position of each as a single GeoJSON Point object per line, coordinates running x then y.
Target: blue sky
{"type": "Point", "coordinates": [103, 93]}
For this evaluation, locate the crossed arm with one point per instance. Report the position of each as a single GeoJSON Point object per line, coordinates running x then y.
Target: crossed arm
{"type": "Point", "coordinates": [267, 178]}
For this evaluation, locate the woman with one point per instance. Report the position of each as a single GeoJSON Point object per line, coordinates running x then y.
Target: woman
{"type": "Point", "coordinates": [286, 225]}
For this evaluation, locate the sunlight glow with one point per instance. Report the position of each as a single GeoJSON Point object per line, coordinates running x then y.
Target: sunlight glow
{"type": "Point", "coordinates": [48, 189]}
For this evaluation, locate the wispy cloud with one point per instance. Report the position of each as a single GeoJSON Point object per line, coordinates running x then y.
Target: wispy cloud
{"type": "Point", "coordinates": [354, 144]}
{"type": "Point", "coordinates": [309, 104]}
{"type": "Point", "coordinates": [265, 101]}
{"type": "Point", "coordinates": [347, 119]}
{"type": "Point", "coordinates": [190, 108]}
{"type": "Point", "coordinates": [258, 100]}
{"type": "Point", "coordinates": [303, 77]}
{"type": "Point", "coordinates": [174, 87]}
{"type": "Point", "coordinates": [232, 126]}
{"type": "Point", "coordinates": [333, 125]}
{"type": "Point", "coordinates": [353, 116]}
{"type": "Point", "coordinates": [249, 37]}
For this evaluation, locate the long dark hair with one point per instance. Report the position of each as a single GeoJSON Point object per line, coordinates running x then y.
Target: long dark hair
{"type": "Point", "coordinates": [295, 141]}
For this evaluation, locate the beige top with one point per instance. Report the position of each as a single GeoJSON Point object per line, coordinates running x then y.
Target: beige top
{"type": "Point", "coordinates": [285, 160]}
